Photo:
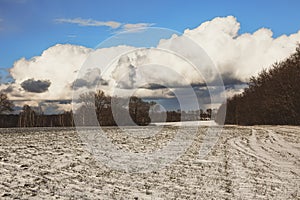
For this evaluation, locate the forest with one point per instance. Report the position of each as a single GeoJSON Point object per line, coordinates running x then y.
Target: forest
{"type": "Point", "coordinates": [272, 98]}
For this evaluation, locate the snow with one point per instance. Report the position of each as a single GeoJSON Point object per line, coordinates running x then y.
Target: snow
{"type": "Point", "coordinates": [187, 123]}
{"type": "Point", "coordinates": [259, 162]}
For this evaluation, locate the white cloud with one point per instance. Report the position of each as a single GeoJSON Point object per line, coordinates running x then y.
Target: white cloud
{"type": "Point", "coordinates": [136, 27]}
{"type": "Point", "coordinates": [111, 24]}
{"type": "Point", "coordinates": [71, 36]}
{"type": "Point", "coordinates": [236, 56]}
{"type": "Point", "coordinates": [89, 22]}
{"type": "Point", "coordinates": [243, 55]}
{"type": "Point", "coordinates": [58, 64]}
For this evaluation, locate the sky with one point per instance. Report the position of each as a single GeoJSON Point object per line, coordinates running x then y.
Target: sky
{"type": "Point", "coordinates": [241, 37]}
{"type": "Point", "coordinates": [28, 27]}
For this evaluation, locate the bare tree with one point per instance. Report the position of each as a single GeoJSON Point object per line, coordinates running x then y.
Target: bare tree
{"type": "Point", "coordinates": [5, 104]}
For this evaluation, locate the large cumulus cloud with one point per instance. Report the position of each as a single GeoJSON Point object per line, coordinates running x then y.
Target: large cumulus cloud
{"type": "Point", "coordinates": [236, 56]}
{"type": "Point", "coordinates": [241, 56]}
{"type": "Point", "coordinates": [58, 64]}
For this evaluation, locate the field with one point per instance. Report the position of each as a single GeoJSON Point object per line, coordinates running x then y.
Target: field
{"type": "Point", "coordinates": [260, 162]}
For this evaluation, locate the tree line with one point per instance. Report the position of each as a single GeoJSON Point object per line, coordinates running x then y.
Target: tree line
{"type": "Point", "coordinates": [97, 108]}
{"type": "Point", "coordinates": [110, 111]}
{"type": "Point", "coordinates": [30, 118]}
{"type": "Point", "coordinates": [273, 97]}
{"type": "Point", "coordinates": [91, 102]}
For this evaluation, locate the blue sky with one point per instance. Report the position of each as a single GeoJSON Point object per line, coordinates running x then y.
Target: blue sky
{"type": "Point", "coordinates": [27, 27]}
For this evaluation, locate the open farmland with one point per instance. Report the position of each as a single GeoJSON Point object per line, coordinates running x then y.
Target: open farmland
{"type": "Point", "coordinates": [260, 162]}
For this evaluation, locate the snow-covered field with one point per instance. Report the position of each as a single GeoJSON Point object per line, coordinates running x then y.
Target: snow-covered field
{"type": "Point", "coordinates": [260, 162]}
{"type": "Point", "coordinates": [188, 123]}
